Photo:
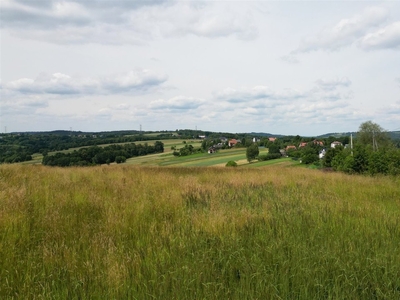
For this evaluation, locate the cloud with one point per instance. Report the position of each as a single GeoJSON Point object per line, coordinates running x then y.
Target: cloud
{"type": "Point", "coordinates": [290, 58]}
{"type": "Point", "coordinates": [179, 103]}
{"type": "Point", "coordinates": [332, 84]}
{"type": "Point", "coordinates": [323, 101]}
{"type": "Point", "coordinates": [18, 15]}
{"type": "Point", "coordinates": [385, 38]}
{"type": "Point", "coordinates": [245, 94]}
{"type": "Point", "coordinates": [124, 22]}
{"type": "Point", "coordinates": [22, 106]}
{"type": "Point", "coordinates": [345, 32]}
{"type": "Point", "coordinates": [62, 84]}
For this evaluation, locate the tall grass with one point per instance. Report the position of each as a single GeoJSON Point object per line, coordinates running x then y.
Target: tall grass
{"type": "Point", "coordinates": [124, 232]}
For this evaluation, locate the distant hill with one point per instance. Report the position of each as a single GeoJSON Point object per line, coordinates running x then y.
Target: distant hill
{"type": "Point", "coordinates": [394, 135]}
{"type": "Point", "coordinates": [337, 134]}
{"type": "Point", "coordinates": [265, 134]}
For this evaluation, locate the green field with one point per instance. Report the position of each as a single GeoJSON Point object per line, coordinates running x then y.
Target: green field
{"type": "Point", "coordinates": [195, 160]}
{"type": "Point", "coordinates": [131, 232]}
{"type": "Point", "coordinates": [203, 159]}
{"type": "Point", "coordinates": [178, 143]}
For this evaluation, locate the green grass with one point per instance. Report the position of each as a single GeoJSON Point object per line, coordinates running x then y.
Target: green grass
{"type": "Point", "coordinates": [178, 143]}
{"type": "Point", "coordinates": [195, 160]}
{"type": "Point", "coordinates": [128, 232]}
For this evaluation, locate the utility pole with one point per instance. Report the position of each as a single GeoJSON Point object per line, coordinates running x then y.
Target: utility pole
{"type": "Point", "coordinates": [374, 142]}
{"type": "Point", "coordinates": [351, 143]}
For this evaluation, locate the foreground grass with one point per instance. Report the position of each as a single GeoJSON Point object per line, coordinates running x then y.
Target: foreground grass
{"type": "Point", "coordinates": [126, 232]}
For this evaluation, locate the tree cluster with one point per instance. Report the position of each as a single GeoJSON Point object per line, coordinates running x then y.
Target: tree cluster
{"type": "Point", "coordinates": [373, 153]}
{"type": "Point", "coordinates": [187, 150]}
{"type": "Point", "coordinates": [96, 155]}
{"type": "Point", "coordinates": [20, 147]}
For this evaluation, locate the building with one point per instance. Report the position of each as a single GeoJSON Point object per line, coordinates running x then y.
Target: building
{"type": "Point", "coordinates": [336, 143]}
{"type": "Point", "coordinates": [232, 142]}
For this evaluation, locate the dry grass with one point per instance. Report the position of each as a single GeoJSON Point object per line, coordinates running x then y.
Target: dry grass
{"type": "Point", "coordinates": [178, 233]}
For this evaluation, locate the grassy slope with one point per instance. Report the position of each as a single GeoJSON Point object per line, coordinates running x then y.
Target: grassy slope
{"type": "Point", "coordinates": [197, 160]}
{"type": "Point", "coordinates": [37, 157]}
{"type": "Point", "coordinates": [193, 233]}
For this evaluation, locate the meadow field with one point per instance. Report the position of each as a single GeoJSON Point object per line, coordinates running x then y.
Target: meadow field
{"type": "Point", "coordinates": [150, 232]}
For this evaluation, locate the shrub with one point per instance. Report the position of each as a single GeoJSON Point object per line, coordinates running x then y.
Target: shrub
{"type": "Point", "coordinates": [269, 156]}
{"type": "Point", "coordinates": [231, 163]}
{"type": "Point", "coordinates": [120, 159]}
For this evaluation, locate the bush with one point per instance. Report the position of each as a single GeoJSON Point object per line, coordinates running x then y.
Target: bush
{"type": "Point", "coordinates": [120, 159]}
{"type": "Point", "coordinates": [269, 156]}
{"type": "Point", "coordinates": [231, 163]}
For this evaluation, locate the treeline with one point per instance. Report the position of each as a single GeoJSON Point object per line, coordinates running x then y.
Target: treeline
{"type": "Point", "coordinates": [364, 160]}
{"type": "Point", "coordinates": [20, 147]}
{"type": "Point", "coordinates": [96, 155]}
{"type": "Point", "coordinates": [14, 153]}
{"type": "Point", "coordinates": [186, 150]}
{"type": "Point", "coordinates": [373, 153]}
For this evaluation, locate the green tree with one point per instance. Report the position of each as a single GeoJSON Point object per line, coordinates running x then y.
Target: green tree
{"type": "Point", "coordinates": [120, 159]}
{"type": "Point", "coordinates": [330, 154]}
{"type": "Point", "coordinates": [252, 152]}
{"type": "Point", "coordinates": [231, 163]}
{"type": "Point", "coordinates": [158, 147]}
{"type": "Point", "coordinates": [273, 148]}
{"type": "Point", "coordinates": [372, 134]}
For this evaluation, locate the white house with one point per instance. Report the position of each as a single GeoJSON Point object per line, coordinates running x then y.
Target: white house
{"type": "Point", "coordinates": [322, 153]}
{"type": "Point", "coordinates": [336, 143]}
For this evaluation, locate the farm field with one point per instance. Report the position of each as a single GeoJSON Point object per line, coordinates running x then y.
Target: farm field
{"type": "Point", "coordinates": [37, 157]}
{"type": "Point", "coordinates": [197, 160]}
{"type": "Point", "coordinates": [134, 232]}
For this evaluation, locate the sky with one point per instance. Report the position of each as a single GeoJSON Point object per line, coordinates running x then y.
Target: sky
{"type": "Point", "coordinates": [283, 67]}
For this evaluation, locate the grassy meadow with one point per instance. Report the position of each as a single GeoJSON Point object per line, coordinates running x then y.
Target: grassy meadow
{"type": "Point", "coordinates": [133, 232]}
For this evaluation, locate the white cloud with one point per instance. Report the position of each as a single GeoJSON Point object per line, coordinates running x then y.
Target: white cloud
{"type": "Point", "coordinates": [323, 101]}
{"type": "Point", "coordinates": [179, 103]}
{"type": "Point", "coordinates": [332, 84]}
{"type": "Point", "coordinates": [122, 106]}
{"type": "Point", "coordinates": [345, 32]}
{"type": "Point", "coordinates": [62, 84]}
{"type": "Point", "coordinates": [124, 22]}
{"type": "Point", "coordinates": [290, 58]}
{"type": "Point", "coordinates": [385, 38]}
{"type": "Point", "coordinates": [245, 94]}
{"type": "Point", "coordinates": [22, 106]}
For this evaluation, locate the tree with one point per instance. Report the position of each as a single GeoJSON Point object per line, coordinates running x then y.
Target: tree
{"type": "Point", "coordinates": [372, 134]}
{"type": "Point", "coordinates": [120, 159]}
{"type": "Point", "coordinates": [158, 147]}
{"type": "Point", "coordinates": [330, 154]}
{"type": "Point", "coordinates": [273, 148]}
{"type": "Point", "coordinates": [252, 152]}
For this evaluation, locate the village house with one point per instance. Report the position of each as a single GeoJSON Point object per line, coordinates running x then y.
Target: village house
{"type": "Point", "coordinates": [212, 150]}
{"type": "Point", "coordinates": [272, 139]}
{"type": "Point", "coordinates": [336, 143]}
{"type": "Point", "coordinates": [232, 142]}
{"type": "Point", "coordinates": [322, 153]}
{"type": "Point", "coordinates": [303, 144]}
{"type": "Point", "coordinates": [316, 142]}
